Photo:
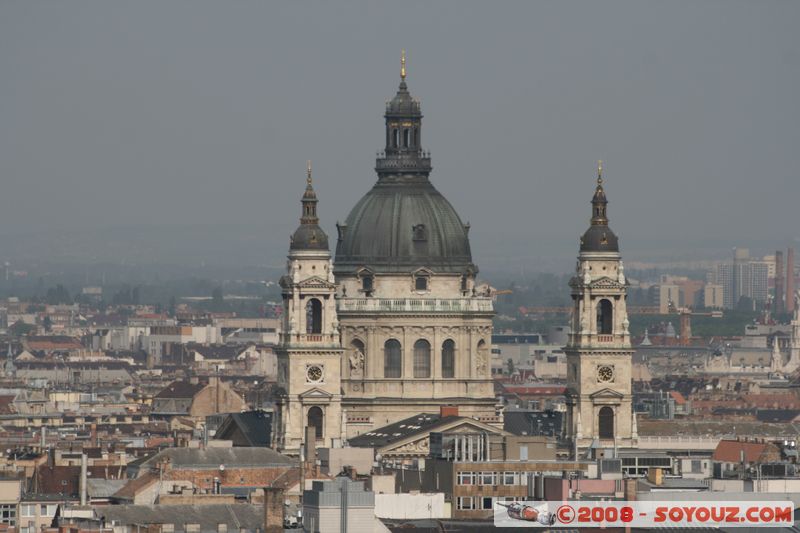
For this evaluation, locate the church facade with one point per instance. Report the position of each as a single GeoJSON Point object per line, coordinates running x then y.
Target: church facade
{"type": "Point", "coordinates": [394, 325]}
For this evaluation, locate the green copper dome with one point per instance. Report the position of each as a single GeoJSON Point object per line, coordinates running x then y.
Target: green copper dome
{"type": "Point", "coordinates": [400, 226]}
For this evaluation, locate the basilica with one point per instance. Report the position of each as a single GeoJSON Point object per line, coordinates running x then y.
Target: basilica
{"type": "Point", "coordinates": [395, 325]}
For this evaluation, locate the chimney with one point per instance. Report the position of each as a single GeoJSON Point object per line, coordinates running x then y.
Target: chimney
{"type": "Point", "coordinates": [448, 410]}
{"type": "Point", "coordinates": [83, 480]}
{"type": "Point", "coordinates": [789, 280]}
{"type": "Point", "coordinates": [779, 285]}
{"type": "Point", "coordinates": [273, 510]}
{"type": "Point", "coordinates": [311, 447]}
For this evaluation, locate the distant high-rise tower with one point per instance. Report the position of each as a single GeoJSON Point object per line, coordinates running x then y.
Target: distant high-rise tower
{"type": "Point", "coordinates": [779, 286]}
{"type": "Point", "coordinates": [599, 348]}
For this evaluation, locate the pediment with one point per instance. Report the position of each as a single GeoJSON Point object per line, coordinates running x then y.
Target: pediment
{"type": "Point", "coordinates": [606, 394]}
{"type": "Point", "coordinates": [605, 283]}
{"type": "Point", "coordinates": [316, 282]}
{"type": "Point", "coordinates": [317, 394]}
{"type": "Point", "coordinates": [419, 444]}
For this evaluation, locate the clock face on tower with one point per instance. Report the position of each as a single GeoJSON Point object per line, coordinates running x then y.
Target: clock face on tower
{"type": "Point", "coordinates": [605, 374]}
{"type": "Point", "coordinates": [314, 373]}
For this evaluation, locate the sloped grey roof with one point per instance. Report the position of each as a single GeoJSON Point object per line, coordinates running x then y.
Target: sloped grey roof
{"type": "Point", "coordinates": [213, 457]}
{"type": "Point", "coordinates": [236, 516]}
{"type": "Point", "coordinates": [256, 426]}
{"type": "Point", "coordinates": [104, 488]}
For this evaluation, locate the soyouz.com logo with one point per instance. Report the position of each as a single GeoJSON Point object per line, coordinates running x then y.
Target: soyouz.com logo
{"type": "Point", "coordinates": [777, 513]}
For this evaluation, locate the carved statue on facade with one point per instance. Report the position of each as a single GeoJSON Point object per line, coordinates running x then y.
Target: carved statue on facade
{"type": "Point", "coordinates": [357, 363]}
{"type": "Point", "coordinates": [480, 362]}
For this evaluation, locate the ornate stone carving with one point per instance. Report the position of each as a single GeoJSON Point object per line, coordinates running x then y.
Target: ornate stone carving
{"type": "Point", "coordinates": [357, 363]}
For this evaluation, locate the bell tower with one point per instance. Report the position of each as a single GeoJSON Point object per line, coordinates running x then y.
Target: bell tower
{"type": "Point", "coordinates": [309, 350]}
{"type": "Point", "coordinates": [599, 350]}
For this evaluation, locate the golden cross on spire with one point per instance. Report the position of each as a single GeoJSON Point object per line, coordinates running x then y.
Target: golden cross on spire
{"type": "Point", "coordinates": [308, 172]}
{"type": "Point", "coordinates": [600, 172]}
{"type": "Point", "coordinates": [402, 64]}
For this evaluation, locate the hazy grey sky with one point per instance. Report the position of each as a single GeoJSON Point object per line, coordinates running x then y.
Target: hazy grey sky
{"type": "Point", "coordinates": [195, 112]}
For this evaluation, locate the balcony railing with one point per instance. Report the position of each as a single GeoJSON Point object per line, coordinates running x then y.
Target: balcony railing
{"type": "Point", "coordinates": [419, 305]}
{"type": "Point", "coordinates": [605, 338]}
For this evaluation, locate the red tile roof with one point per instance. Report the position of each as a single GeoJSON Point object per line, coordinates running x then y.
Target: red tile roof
{"type": "Point", "coordinates": [729, 451]}
{"type": "Point", "coordinates": [678, 397]}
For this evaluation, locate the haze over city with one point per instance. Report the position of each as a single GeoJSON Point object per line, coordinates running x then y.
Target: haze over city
{"type": "Point", "coordinates": [150, 132]}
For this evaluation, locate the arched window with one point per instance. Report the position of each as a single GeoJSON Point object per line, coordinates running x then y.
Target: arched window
{"type": "Point", "coordinates": [367, 283]}
{"type": "Point", "coordinates": [406, 138]}
{"type": "Point", "coordinates": [448, 359]}
{"type": "Point", "coordinates": [395, 138]}
{"type": "Point", "coordinates": [605, 423]}
{"type": "Point", "coordinates": [605, 317]}
{"type": "Point", "coordinates": [392, 359]}
{"type": "Point", "coordinates": [422, 359]}
{"type": "Point", "coordinates": [315, 420]}
{"type": "Point", "coordinates": [314, 316]}
{"type": "Point", "coordinates": [421, 283]}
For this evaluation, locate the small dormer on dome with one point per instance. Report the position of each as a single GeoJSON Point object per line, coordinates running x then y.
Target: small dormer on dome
{"type": "Point", "coordinates": [309, 236]}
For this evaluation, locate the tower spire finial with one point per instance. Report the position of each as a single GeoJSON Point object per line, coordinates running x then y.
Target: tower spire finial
{"type": "Point", "coordinates": [402, 64]}
{"type": "Point", "coordinates": [599, 171]}
{"type": "Point", "coordinates": [308, 172]}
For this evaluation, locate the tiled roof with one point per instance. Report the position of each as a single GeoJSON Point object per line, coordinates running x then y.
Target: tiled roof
{"type": "Point", "coordinates": [256, 426]}
{"type": "Point", "coordinates": [180, 389]}
{"type": "Point", "coordinates": [729, 451]}
{"type": "Point", "coordinates": [399, 430]}
{"type": "Point", "coordinates": [237, 517]}
{"type": "Point", "coordinates": [134, 486]}
{"type": "Point", "coordinates": [213, 457]}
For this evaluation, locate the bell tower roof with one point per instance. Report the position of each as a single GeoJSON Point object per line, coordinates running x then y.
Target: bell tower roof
{"type": "Point", "coordinates": [309, 236]}
{"type": "Point", "coordinates": [599, 237]}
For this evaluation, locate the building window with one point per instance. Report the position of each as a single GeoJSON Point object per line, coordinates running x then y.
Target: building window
{"type": "Point", "coordinates": [510, 478]}
{"type": "Point", "coordinates": [406, 138]}
{"type": "Point", "coordinates": [605, 422]}
{"type": "Point", "coordinates": [314, 316]}
{"type": "Point", "coordinates": [464, 503]}
{"type": "Point", "coordinates": [605, 316]}
{"type": "Point", "coordinates": [392, 359]}
{"type": "Point", "coordinates": [422, 359]}
{"type": "Point", "coordinates": [487, 503]}
{"type": "Point", "coordinates": [8, 514]}
{"type": "Point", "coordinates": [419, 232]}
{"type": "Point", "coordinates": [488, 478]}
{"type": "Point", "coordinates": [421, 283]}
{"type": "Point", "coordinates": [367, 283]}
{"type": "Point", "coordinates": [466, 478]}
{"type": "Point", "coordinates": [448, 359]}
{"type": "Point", "coordinates": [696, 468]}
{"type": "Point", "coordinates": [395, 138]}
{"type": "Point", "coordinates": [315, 420]}
{"type": "Point", "coordinates": [27, 510]}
